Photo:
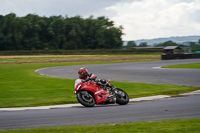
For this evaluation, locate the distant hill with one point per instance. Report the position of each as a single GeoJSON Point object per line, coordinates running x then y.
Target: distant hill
{"type": "Point", "coordinates": [178, 39]}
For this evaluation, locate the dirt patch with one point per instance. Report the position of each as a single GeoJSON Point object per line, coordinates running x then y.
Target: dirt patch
{"type": "Point", "coordinates": [84, 60]}
{"type": "Point", "coordinates": [39, 56]}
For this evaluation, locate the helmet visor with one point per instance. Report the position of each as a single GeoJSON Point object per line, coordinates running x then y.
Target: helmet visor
{"type": "Point", "coordinates": [80, 75]}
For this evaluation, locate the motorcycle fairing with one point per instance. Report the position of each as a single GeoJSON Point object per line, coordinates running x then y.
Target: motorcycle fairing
{"type": "Point", "coordinates": [99, 94]}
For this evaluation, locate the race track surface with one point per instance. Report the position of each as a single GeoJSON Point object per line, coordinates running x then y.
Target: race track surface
{"type": "Point", "coordinates": [143, 72]}
{"type": "Point", "coordinates": [172, 108]}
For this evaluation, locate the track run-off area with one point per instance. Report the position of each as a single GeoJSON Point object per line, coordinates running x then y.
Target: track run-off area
{"type": "Point", "coordinates": [143, 72]}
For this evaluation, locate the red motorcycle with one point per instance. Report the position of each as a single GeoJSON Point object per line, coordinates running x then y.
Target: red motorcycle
{"type": "Point", "coordinates": [91, 92]}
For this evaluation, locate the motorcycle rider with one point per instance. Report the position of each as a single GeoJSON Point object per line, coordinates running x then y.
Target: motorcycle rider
{"type": "Point", "coordinates": [91, 91]}
{"type": "Point", "coordinates": [85, 76]}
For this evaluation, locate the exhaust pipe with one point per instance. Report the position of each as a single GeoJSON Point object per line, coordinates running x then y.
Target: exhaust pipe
{"type": "Point", "coordinates": [111, 99]}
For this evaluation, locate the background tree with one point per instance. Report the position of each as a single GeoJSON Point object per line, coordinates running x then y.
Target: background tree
{"type": "Point", "coordinates": [195, 46]}
{"type": "Point", "coordinates": [167, 43]}
{"type": "Point", "coordinates": [143, 44]}
{"type": "Point", "coordinates": [131, 44]}
{"type": "Point", "coordinates": [33, 32]}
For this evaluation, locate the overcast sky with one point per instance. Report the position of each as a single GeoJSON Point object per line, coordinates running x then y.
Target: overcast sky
{"type": "Point", "coordinates": [141, 19]}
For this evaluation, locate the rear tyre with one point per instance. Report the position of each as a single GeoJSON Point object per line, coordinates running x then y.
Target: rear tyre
{"type": "Point", "coordinates": [85, 98]}
{"type": "Point", "coordinates": [121, 97]}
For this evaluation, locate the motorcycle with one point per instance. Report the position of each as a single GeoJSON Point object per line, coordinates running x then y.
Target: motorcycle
{"type": "Point", "coordinates": [91, 92]}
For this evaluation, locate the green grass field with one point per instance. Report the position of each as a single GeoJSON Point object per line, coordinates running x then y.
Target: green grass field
{"type": "Point", "coordinates": [171, 126]}
{"type": "Point", "coordinates": [184, 66]}
{"type": "Point", "coordinates": [76, 58]}
{"type": "Point", "coordinates": [21, 86]}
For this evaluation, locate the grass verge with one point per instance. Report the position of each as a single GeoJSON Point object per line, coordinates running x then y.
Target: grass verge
{"type": "Point", "coordinates": [171, 126]}
{"type": "Point", "coordinates": [20, 86]}
{"type": "Point", "coordinates": [184, 66]}
{"type": "Point", "coordinates": [75, 58]}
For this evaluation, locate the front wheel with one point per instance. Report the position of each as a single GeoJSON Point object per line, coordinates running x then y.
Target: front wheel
{"type": "Point", "coordinates": [85, 98]}
{"type": "Point", "coordinates": [121, 97]}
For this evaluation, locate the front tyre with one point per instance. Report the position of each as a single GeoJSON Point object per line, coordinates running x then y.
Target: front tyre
{"type": "Point", "coordinates": [85, 98]}
{"type": "Point", "coordinates": [121, 97]}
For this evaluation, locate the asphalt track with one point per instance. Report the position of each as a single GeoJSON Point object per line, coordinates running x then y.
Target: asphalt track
{"type": "Point", "coordinates": [143, 72]}
{"type": "Point", "coordinates": [170, 108]}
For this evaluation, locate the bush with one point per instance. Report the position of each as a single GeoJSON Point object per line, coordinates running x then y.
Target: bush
{"type": "Point", "coordinates": [81, 52]}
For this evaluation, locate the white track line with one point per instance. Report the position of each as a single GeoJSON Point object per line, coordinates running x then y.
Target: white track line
{"type": "Point", "coordinates": [150, 98]}
{"type": "Point", "coordinates": [79, 105]}
{"type": "Point", "coordinates": [158, 67]}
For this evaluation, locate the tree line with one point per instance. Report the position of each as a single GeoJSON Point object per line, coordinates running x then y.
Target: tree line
{"type": "Point", "coordinates": [131, 44]}
{"type": "Point", "coordinates": [194, 45]}
{"type": "Point", "coordinates": [33, 32]}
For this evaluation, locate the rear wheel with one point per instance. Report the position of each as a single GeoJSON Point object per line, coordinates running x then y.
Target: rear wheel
{"type": "Point", "coordinates": [121, 97]}
{"type": "Point", "coordinates": [86, 98]}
